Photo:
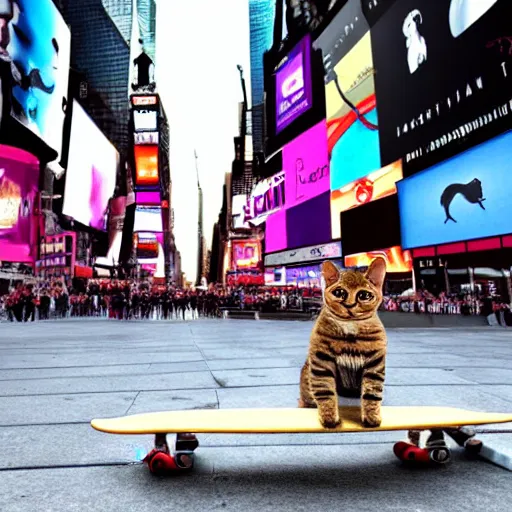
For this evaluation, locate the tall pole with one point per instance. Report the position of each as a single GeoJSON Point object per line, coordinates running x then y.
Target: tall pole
{"type": "Point", "coordinates": [200, 255]}
{"type": "Point", "coordinates": [245, 107]}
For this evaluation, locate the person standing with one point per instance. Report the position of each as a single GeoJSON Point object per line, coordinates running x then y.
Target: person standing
{"type": "Point", "coordinates": [29, 303]}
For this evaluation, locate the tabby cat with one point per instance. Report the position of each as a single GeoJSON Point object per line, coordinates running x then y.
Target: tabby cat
{"type": "Point", "coordinates": [347, 348]}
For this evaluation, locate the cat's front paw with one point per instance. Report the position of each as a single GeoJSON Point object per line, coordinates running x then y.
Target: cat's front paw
{"type": "Point", "coordinates": [329, 417]}
{"type": "Point", "coordinates": [371, 419]}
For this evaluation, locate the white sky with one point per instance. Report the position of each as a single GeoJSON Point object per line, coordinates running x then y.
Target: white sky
{"type": "Point", "coordinates": [199, 44]}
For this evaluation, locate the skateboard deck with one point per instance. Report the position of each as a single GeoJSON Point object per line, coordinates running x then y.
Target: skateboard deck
{"type": "Point", "coordinates": [298, 421]}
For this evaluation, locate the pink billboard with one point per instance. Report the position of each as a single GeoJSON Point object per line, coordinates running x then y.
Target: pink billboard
{"type": "Point", "coordinates": [148, 198]}
{"type": "Point", "coordinates": [306, 166]}
{"type": "Point", "coordinates": [19, 179]}
{"type": "Point", "coordinates": [275, 232]}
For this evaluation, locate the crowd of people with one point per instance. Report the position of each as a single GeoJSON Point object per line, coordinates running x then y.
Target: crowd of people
{"type": "Point", "coordinates": [129, 299]}
{"type": "Point", "coordinates": [125, 300]}
{"type": "Point", "coordinates": [444, 304]}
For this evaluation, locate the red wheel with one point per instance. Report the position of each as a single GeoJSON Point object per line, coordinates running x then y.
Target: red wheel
{"type": "Point", "coordinates": [160, 462]}
{"type": "Point", "coordinates": [409, 453]}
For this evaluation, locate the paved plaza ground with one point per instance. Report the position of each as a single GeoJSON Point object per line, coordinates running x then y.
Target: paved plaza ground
{"type": "Point", "coordinates": [56, 376]}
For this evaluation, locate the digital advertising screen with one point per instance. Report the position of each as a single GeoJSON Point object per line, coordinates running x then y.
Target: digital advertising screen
{"type": "Point", "coordinates": [148, 219]}
{"type": "Point", "coordinates": [246, 254]}
{"type": "Point", "coordinates": [147, 246]}
{"type": "Point", "coordinates": [371, 226]}
{"type": "Point", "coordinates": [91, 172]}
{"type": "Point", "coordinates": [238, 208]}
{"type": "Point", "coordinates": [146, 138]}
{"type": "Point", "coordinates": [115, 231]}
{"type": "Point", "coordinates": [148, 198]}
{"type": "Point", "coordinates": [39, 47]}
{"type": "Point", "coordinates": [293, 85]}
{"type": "Point", "coordinates": [376, 185]}
{"type": "Point", "coordinates": [309, 223]}
{"type": "Point", "coordinates": [306, 166]}
{"type": "Point", "coordinates": [266, 197]}
{"type": "Point", "coordinates": [19, 180]}
{"type": "Point", "coordinates": [275, 276]}
{"type": "Point", "coordinates": [145, 100]}
{"type": "Point", "coordinates": [463, 198]}
{"type": "Point", "coordinates": [352, 123]}
{"type": "Point", "coordinates": [146, 166]}
{"type": "Point", "coordinates": [396, 260]}
{"type": "Point", "coordinates": [145, 120]}
{"type": "Point", "coordinates": [275, 232]}
{"type": "Point", "coordinates": [423, 119]}
{"type": "Point", "coordinates": [374, 9]}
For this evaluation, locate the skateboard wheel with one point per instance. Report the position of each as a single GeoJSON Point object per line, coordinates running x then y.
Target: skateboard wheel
{"type": "Point", "coordinates": [473, 446]}
{"type": "Point", "coordinates": [440, 455]}
{"type": "Point", "coordinates": [161, 462]}
{"type": "Point", "coordinates": [409, 453]}
{"type": "Point", "coordinates": [400, 448]}
{"type": "Point", "coordinates": [184, 460]}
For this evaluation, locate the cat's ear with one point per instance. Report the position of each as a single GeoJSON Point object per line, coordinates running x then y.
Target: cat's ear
{"type": "Point", "coordinates": [377, 272]}
{"type": "Point", "coordinates": [330, 272]}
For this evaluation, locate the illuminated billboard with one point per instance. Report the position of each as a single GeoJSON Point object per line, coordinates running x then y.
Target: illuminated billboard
{"type": "Point", "coordinates": [19, 179]}
{"type": "Point", "coordinates": [38, 49]}
{"type": "Point", "coordinates": [293, 85]}
{"type": "Point", "coordinates": [306, 166]}
{"type": "Point", "coordinates": [352, 123]}
{"type": "Point", "coordinates": [91, 172]}
{"type": "Point", "coordinates": [443, 77]}
{"type": "Point", "coordinates": [148, 219]}
{"type": "Point", "coordinates": [146, 166]}
{"type": "Point", "coordinates": [464, 198]}
{"type": "Point", "coordinates": [145, 120]}
{"type": "Point", "coordinates": [146, 138]}
{"type": "Point", "coordinates": [246, 254]}
{"type": "Point", "coordinates": [396, 259]}
{"type": "Point", "coordinates": [376, 185]}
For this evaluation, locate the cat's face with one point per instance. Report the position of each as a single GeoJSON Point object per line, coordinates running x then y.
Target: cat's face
{"type": "Point", "coordinates": [352, 295]}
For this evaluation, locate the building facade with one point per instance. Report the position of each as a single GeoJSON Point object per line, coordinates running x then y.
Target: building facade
{"type": "Point", "coordinates": [261, 21]}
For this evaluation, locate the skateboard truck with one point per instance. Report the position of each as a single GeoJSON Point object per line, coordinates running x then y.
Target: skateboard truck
{"type": "Point", "coordinates": [160, 460]}
{"type": "Point", "coordinates": [436, 450]}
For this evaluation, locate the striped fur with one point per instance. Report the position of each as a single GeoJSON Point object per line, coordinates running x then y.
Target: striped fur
{"type": "Point", "coordinates": [347, 349]}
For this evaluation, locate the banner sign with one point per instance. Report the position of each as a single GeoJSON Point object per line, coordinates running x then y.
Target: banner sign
{"type": "Point", "coordinates": [304, 254]}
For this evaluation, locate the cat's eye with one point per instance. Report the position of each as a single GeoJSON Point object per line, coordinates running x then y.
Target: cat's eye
{"type": "Point", "coordinates": [340, 293]}
{"type": "Point", "coordinates": [364, 296]}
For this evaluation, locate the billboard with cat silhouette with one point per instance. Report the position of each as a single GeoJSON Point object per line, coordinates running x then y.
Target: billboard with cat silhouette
{"type": "Point", "coordinates": [306, 166]}
{"type": "Point", "coordinates": [464, 198]}
{"type": "Point", "coordinates": [443, 77]}
{"type": "Point", "coordinates": [39, 46]}
{"type": "Point", "coordinates": [351, 107]}
{"type": "Point", "coordinates": [19, 179]}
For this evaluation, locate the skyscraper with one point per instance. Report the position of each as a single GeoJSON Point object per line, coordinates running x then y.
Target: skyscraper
{"type": "Point", "coordinates": [200, 236]}
{"type": "Point", "coordinates": [121, 13]}
{"type": "Point", "coordinates": [101, 58]}
{"type": "Point", "coordinates": [261, 24]}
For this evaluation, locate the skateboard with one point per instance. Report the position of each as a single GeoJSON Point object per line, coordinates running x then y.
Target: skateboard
{"type": "Point", "coordinates": [456, 423]}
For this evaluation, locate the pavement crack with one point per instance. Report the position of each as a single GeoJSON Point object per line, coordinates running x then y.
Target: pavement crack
{"type": "Point", "coordinates": [221, 383]}
{"type": "Point", "coordinates": [131, 405]}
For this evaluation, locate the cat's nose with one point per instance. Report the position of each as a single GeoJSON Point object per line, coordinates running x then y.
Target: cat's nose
{"type": "Point", "coordinates": [350, 306]}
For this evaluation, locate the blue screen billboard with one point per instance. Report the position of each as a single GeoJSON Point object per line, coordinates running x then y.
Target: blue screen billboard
{"type": "Point", "coordinates": [39, 43]}
{"type": "Point", "coordinates": [464, 198]}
